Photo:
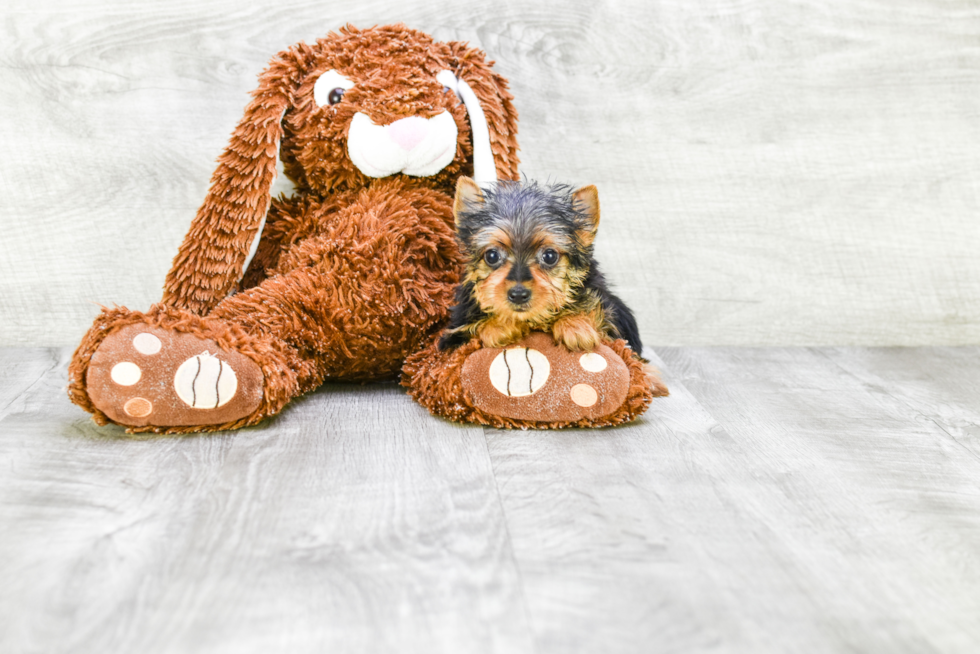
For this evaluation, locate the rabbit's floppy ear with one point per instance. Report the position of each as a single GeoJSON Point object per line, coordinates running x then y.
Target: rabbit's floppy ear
{"type": "Point", "coordinates": [227, 227]}
{"type": "Point", "coordinates": [490, 89]}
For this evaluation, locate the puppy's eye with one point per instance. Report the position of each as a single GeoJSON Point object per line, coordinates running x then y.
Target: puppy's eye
{"type": "Point", "coordinates": [335, 96]}
{"type": "Point", "coordinates": [549, 257]}
{"type": "Point", "coordinates": [492, 257]}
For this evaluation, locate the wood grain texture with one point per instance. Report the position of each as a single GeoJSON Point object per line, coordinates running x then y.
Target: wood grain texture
{"type": "Point", "coordinates": [780, 500]}
{"type": "Point", "coordinates": [938, 385]}
{"type": "Point", "coordinates": [354, 522]}
{"type": "Point", "coordinates": [20, 370]}
{"type": "Point", "coordinates": [770, 172]}
{"type": "Point", "coordinates": [866, 510]}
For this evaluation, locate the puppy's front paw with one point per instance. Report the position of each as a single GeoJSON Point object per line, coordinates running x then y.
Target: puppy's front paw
{"type": "Point", "coordinates": [493, 334]}
{"type": "Point", "coordinates": [577, 333]}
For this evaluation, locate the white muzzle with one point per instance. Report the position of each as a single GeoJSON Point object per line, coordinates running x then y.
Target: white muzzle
{"type": "Point", "coordinates": [415, 146]}
{"type": "Point", "coordinates": [421, 147]}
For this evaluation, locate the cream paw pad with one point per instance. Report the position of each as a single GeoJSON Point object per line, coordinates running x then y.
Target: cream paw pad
{"type": "Point", "coordinates": [143, 375]}
{"type": "Point", "coordinates": [537, 380]}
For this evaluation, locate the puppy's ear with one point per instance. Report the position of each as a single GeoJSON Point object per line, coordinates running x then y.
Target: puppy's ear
{"type": "Point", "coordinates": [227, 227]}
{"type": "Point", "coordinates": [472, 67]}
{"type": "Point", "coordinates": [585, 201]}
{"type": "Point", "coordinates": [468, 196]}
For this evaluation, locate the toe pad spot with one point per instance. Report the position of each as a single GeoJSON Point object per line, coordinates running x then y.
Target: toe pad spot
{"type": "Point", "coordinates": [126, 373]}
{"type": "Point", "coordinates": [138, 407]}
{"type": "Point", "coordinates": [593, 362]}
{"type": "Point", "coordinates": [146, 343]}
{"type": "Point", "coordinates": [584, 395]}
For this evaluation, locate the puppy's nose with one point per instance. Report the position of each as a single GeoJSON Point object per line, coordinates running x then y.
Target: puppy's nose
{"type": "Point", "coordinates": [408, 132]}
{"type": "Point", "coordinates": [519, 294]}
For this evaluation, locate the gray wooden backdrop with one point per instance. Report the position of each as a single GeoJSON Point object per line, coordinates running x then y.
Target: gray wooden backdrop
{"type": "Point", "coordinates": [783, 172]}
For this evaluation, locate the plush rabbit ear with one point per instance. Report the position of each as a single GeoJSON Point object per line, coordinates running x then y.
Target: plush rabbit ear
{"type": "Point", "coordinates": [227, 227]}
{"type": "Point", "coordinates": [490, 90]}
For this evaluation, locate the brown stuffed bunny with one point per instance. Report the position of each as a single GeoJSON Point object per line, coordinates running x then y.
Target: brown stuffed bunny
{"type": "Point", "coordinates": [267, 298]}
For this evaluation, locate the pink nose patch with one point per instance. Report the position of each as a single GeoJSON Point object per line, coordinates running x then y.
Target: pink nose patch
{"type": "Point", "coordinates": [408, 132]}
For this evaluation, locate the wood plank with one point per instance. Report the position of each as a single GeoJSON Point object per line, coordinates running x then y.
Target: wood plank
{"type": "Point", "coordinates": [940, 384]}
{"type": "Point", "coordinates": [353, 522]}
{"type": "Point", "coordinates": [771, 504]}
{"type": "Point", "coordinates": [873, 511]}
{"type": "Point", "coordinates": [20, 369]}
{"type": "Point", "coordinates": [779, 500]}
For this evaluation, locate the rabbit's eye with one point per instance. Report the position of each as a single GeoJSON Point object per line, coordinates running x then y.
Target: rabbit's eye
{"type": "Point", "coordinates": [330, 87]}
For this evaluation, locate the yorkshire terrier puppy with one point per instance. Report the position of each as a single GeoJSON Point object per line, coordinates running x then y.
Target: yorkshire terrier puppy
{"type": "Point", "coordinates": [530, 267]}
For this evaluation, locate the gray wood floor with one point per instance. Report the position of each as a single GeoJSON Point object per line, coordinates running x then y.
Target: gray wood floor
{"type": "Point", "coordinates": [781, 500]}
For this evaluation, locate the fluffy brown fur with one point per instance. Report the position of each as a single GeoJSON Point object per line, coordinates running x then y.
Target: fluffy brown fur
{"type": "Point", "coordinates": [352, 274]}
{"type": "Point", "coordinates": [433, 378]}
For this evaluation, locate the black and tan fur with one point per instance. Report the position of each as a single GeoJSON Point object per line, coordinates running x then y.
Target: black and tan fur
{"type": "Point", "coordinates": [529, 266]}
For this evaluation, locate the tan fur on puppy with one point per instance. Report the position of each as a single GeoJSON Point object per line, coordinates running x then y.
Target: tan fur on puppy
{"type": "Point", "coordinates": [530, 267]}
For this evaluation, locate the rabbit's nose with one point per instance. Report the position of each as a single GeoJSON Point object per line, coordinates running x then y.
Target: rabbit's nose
{"type": "Point", "coordinates": [408, 132]}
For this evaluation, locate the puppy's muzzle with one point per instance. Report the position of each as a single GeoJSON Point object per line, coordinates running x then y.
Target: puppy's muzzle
{"type": "Point", "coordinates": [519, 295]}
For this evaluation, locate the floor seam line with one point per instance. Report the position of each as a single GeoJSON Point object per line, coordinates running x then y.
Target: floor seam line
{"type": "Point", "coordinates": [510, 540]}
{"type": "Point", "coordinates": [3, 411]}
{"type": "Point", "coordinates": [901, 401]}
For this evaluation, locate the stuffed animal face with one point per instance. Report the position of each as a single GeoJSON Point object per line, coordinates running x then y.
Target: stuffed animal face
{"type": "Point", "coordinates": [356, 106]}
{"type": "Point", "coordinates": [391, 101]}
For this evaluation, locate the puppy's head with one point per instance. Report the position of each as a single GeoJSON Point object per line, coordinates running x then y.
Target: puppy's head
{"type": "Point", "coordinates": [528, 247]}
